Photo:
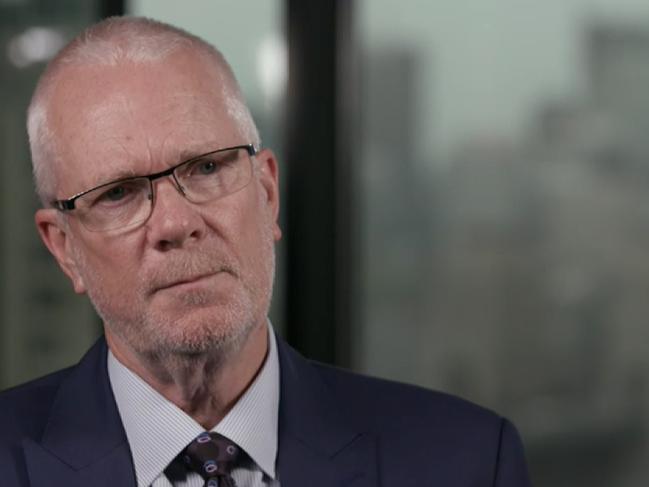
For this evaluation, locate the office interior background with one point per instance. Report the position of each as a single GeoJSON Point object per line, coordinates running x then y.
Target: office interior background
{"type": "Point", "coordinates": [466, 202]}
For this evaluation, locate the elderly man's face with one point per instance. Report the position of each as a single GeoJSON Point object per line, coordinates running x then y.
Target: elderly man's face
{"type": "Point", "coordinates": [194, 276]}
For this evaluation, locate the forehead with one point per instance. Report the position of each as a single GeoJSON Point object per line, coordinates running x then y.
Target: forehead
{"type": "Point", "coordinates": [113, 121]}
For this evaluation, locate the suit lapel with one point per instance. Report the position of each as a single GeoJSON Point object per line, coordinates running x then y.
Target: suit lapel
{"type": "Point", "coordinates": [48, 470]}
{"type": "Point", "coordinates": [354, 466]}
{"type": "Point", "coordinates": [318, 444]}
{"type": "Point", "coordinates": [84, 442]}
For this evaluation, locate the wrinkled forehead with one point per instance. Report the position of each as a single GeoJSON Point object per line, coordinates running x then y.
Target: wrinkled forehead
{"type": "Point", "coordinates": [114, 121]}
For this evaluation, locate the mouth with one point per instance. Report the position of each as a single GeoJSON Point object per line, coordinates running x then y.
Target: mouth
{"type": "Point", "coordinates": [186, 281]}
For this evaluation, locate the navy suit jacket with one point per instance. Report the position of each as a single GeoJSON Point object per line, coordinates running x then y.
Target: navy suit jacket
{"type": "Point", "coordinates": [336, 429]}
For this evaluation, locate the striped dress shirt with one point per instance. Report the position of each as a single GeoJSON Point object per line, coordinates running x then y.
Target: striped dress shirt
{"type": "Point", "coordinates": [157, 430]}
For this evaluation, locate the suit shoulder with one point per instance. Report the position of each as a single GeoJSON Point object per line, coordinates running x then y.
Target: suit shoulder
{"type": "Point", "coordinates": [33, 389]}
{"type": "Point", "coordinates": [24, 412]}
{"type": "Point", "coordinates": [24, 408]}
{"type": "Point", "coordinates": [406, 404]}
{"type": "Point", "coordinates": [474, 443]}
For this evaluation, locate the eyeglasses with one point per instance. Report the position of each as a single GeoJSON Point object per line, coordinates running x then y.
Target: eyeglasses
{"type": "Point", "coordinates": [129, 201]}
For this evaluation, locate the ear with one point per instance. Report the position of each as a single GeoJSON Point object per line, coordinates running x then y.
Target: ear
{"type": "Point", "coordinates": [55, 237]}
{"type": "Point", "coordinates": [269, 180]}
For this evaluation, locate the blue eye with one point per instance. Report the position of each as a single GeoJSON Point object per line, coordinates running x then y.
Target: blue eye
{"type": "Point", "coordinates": [202, 167]}
{"type": "Point", "coordinates": [115, 194]}
{"type": "Point", "coordinates": [206, 167]}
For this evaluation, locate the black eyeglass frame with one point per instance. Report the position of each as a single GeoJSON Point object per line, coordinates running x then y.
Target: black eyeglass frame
{"type": "Point", "coordinates": [69, 203]}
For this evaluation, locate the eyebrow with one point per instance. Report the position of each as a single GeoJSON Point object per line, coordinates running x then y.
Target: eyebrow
{"type": "Point", "coordinates": [187, 154]}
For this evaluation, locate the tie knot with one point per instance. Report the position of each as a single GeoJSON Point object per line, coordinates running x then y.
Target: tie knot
{"type": "Point", "coordinates": [211, 455]}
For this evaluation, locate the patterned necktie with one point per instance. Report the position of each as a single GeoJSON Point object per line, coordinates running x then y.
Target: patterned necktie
{"type": "Point", "coordinates": [212, 456]}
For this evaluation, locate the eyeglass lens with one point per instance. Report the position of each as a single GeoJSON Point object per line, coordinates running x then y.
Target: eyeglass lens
{"type": "Point", "coordinates": [129, 202]}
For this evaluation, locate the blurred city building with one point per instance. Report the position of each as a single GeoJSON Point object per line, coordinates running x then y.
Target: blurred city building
{"type": "Point", "coordinates": [525, 281]}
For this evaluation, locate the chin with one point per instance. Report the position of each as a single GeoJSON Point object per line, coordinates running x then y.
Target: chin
{"type": "Point", "coordinates": [187, 325]}
{"type": "Point", "coordinates": [203, 331]}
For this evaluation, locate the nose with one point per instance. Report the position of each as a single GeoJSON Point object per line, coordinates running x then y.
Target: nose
{"type": "Point", "coordinates": [175, 222]}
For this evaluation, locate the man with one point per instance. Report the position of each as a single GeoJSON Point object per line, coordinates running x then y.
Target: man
{"type": "Point", "coordinates": [160, 204]}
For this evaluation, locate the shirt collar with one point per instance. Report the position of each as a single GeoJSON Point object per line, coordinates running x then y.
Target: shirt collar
{"type": "Point", "coordinates": [157, 430]}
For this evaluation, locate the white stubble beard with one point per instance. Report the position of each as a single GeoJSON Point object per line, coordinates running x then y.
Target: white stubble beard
{"type": "Point", "coordinates": [154, 335]}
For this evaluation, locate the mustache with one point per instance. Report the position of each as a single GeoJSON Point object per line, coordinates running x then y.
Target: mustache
{"type": "Point", "coordinates": [186, 268]}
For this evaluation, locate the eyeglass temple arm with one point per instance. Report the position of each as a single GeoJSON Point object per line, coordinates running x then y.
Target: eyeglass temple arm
{"type": "Point", "coordinates": [63, 205]}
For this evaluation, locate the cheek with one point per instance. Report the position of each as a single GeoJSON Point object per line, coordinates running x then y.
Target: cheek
{"type": "Point", "coordinates": [238, 221]}
{"type": "Point", "coordinates": [113, 262]}
{"type": "Point", "coordinates": [246, 231]}
{"type": "Point", "coordinates": [259, 247]}
{"type": "Point", "coordinates": [255, 232]}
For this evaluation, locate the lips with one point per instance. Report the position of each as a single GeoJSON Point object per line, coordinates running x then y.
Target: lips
{"type": "Point", "coordinates": [184, 271]}
{"type": "Point", "coordinates": [187, 280]}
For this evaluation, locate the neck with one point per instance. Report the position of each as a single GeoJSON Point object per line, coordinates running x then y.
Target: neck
{"type": "Point", "coordinates": [204, 386]}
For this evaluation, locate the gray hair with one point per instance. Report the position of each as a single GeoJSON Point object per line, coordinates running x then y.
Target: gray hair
{"type": "Point", "coordinates": [112, 42]}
